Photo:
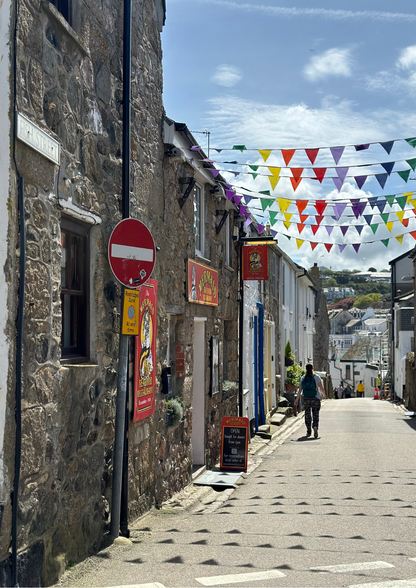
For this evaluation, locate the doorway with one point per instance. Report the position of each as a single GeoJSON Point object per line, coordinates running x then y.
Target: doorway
{"type": "Point", "coordinates": [198, 394]}
{"type": "Point", "coordinates": [269, 366]}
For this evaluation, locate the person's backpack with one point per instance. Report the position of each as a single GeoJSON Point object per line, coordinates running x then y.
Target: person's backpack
{"type": "Point", "coordinates": [309, 387]}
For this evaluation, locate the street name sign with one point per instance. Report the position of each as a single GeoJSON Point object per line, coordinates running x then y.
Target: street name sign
{"type": "Point", "coordinates": [37, 139]}
{"type": "Point", "coordinates": [131, 253]}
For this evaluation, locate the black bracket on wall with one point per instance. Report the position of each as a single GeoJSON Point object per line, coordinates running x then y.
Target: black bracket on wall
{"type": "Point", "coordinates": [191, 183]}
{"type": "Point", "coordinates": [222, 221]}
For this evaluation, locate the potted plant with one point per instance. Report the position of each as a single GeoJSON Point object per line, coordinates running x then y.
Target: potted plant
{"type": "Point", "coordinates": [293, 376]}
{"type": "Point", "coordinates": [289, 355]}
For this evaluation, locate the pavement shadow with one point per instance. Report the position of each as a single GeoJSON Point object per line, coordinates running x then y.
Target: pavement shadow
{"type": "Point", "coordinates": [305, 438]}
{"type": "Point", "coordinates": [409, 421]}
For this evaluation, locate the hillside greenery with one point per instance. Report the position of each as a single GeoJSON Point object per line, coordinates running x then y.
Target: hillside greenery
{"type": "Point", "coordinates": [362, 287]}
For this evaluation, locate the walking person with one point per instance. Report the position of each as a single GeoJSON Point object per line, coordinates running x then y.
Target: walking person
{"type": "Point", "coordinates": [347, 391]}
{"type": "Point", "coordinates": [340, 391]}
{"type": "Point", "coordinates": [360, 390]}
{"type": "Point", "coordinates": [313, 391]}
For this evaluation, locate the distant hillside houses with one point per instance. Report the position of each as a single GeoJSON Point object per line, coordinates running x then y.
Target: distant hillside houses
{"type": "Point", "coordinates": [374, 276]}
{"type": "Point", "coordinates": [337, 293]}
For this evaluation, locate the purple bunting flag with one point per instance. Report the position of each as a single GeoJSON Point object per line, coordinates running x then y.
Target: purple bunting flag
{"type": "Point", "coordinates": [329, 229]}
{"type": "Point", "coordinates": [337, 153]}
{"type": "Point", "coordinates": [356, 247]}
{"type": "Point", "coordinates": [339, 209]}
{"type": "Point", "coordinates": [227, 186]}
{"type": "Point", "coordinates": [195, 148]}
{"type": "Point", "coordinates": [360, 181]}
{"type": "Point", "coordinates": [247, 215]}
{"type": "Point", "coordinates": [338, 183]}
{"type": "Point", "coordinates": [230, 194]}
{"type": "Point", "coordinates": [260, 229]}
{"type": "Point", "coordinates": [382, 179]}
{"type": "Point", "coordinates": [341, 247]}
{"type": "Point", "coordinates": [362, 147]}
{"type": "Point", "coordinates": [358, 207]}
{"type": "Point", "coordinates": [247, 223]}
{"type": "Point", "coordinates": [214, 172]}
{"type": "Point", "coordinates": [242, 210]}
{"type": "Point", "coordinates": [342, 172]}
{"type": "Point", "coordinates": [388, 146]}
{"type": "Point", "coordinates": [237, 199]}
{"type": "Point", "coordinates": [217, 150]}
{"type": "Point", "coordinates": [344, 230]}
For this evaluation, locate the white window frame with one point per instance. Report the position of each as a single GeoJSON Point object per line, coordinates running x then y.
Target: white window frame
{"type": "Point", "coordinates": [201, 233]}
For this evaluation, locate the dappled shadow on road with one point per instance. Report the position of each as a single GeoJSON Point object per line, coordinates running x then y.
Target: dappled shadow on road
{"type": "Point", "coordinates": [409, 421]}
{"type": "Point", "coordinates": [305, 438]}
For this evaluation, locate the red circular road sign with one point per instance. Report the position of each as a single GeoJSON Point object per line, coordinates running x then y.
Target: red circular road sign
{"type": "Point", "coordinates": [131, 253]}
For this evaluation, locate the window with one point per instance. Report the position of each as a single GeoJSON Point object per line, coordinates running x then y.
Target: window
{"type": "Point", "coordinates": [65, 8]}
{"type": "Point", "coordinates": [348, 372]}
{"type": "Point", "coordinates": [199, 221]}
{"type": "Point", "coordinates": [283, 283]}
{"type": "Point", "coordinates": [74, 290]}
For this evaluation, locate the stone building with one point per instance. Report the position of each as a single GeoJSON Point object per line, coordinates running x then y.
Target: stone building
{"type": "Point", "coordinates": [322, 326]}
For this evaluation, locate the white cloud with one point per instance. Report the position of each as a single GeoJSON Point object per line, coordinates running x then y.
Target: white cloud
{"type": "Point", "coordinates": [334, 62]}
{"type": "Point", "coordinates": [330, 14]}
{"type": "Point", "coordinates": [407, 59]}
{"type": "Point", "coordinates": [227, 75]}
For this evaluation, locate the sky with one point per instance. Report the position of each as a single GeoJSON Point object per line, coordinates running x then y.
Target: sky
{"type": "Point", "coordinates": [276, 75]}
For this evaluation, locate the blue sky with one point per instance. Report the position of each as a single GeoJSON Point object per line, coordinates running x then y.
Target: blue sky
{"type": "Point", "coordinates": [270, 74]}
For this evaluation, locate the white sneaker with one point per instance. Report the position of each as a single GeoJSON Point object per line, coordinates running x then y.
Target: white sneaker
{"type": "Point", "coordinates": [315, 432]}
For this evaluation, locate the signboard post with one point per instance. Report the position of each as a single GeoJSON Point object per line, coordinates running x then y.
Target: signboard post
{"type": "Point", "coordinates": [234, 443]}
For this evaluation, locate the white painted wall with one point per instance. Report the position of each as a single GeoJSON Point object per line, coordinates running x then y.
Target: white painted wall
{"type": "Point", "coordinates": [250, 310]}
{"type": "Point", "coordinates": [404, 347]}
{"type": "Point", "coordinates": [305, 320]}
{"type": "Point", "coordinates": [5, 36]}
{"type": "Point", "coordinates": [288, 311]}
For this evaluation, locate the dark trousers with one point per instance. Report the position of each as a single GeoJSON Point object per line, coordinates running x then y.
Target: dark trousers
{"type": "Point", "coordinates": [312, 407]}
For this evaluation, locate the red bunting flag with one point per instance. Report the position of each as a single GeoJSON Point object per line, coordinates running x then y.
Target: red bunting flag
{"type": "Point", "coordinates": [295, 182]}
{"type": "Point", "coordinates": [287, 155]}
{"type": "Point", "coordinates": [296, 172]}
{"type": "Point", "coordinates": [301, 226]}
{"type": "Point", "coordinates": [303, 217]}
{"type": "Point", "coordinates": [320, 173]}
{"type": "Point", "coordinates": [313, 245]}
{"type": "Point", "coordinates": [320, 206]}
{"type": "Point", "coordinates": [314, 228]}
{"type": "Point", "coordinates": [405, 222]}
{"type": "Point", "coordinates": [319, 219]}
{"type": "Point", "coordinates": [328, 246]}
{"type": "Point", "coordinates": [312, 153]}
{"type": "Point", "coordinates": [301, 204]}
{"type": "Point", "coordinates": [413, 233]}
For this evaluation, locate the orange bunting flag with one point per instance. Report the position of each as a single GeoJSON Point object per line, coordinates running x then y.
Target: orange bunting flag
{"type": "Point", "coordinates": [320, 173]}
{"type": "Point", "coordinates": [413, 233]}
{"type": "Point", "coordinates": [296, 172]}
{"type": "Point", "coordinates": [313, 245]}
{"type": "Point", "coordinates": [405, 222]}
{"type": "Point", "coordinates": [299, 243]}
{"type": "Point", "coordinates": [314, 229]}
{"type": "Point", "coordinates": [303, 217]}
{"type": "Point", "coordinates": [265, 153]}
{"type": "Point", "coordinates": [301, 204]}
{"type": "Point", "coordinates": [328, 246]}
{"type": "Point", "coordinates": [287, 155]}
{"type": "Point", "coordinates": [312, 153]}
{"type": "Point", "coordinates": [319, 219]}
{"type": "Point", "coordinates": [295, 183]}
{"type": "Point", "coordinates": [320, 206]}
{"type": "Point", "coordinates": [301, 226]}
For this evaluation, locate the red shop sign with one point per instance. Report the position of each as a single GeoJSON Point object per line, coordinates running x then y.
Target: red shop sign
{"type": "Point", "coordinates": [255, 262]}
{"type": "Point", "coordinates": [202, 284]}
{"type": "Point", "coordinates": [145, 353]}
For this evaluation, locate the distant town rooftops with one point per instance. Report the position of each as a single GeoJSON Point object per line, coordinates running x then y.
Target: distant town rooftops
{"type": "Point", "coordinates": [359, 351]}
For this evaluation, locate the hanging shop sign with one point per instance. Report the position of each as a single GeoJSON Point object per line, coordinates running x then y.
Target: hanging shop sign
{"type": "Point", "coordinates": [145, 353]}
{"type": "Point", "coordinates": [202, 284]}
{"type": "Point", "coordinates": [37, 139]}
{"type": "Point", "coordinates": [234, 443]}
{"type": "Point", "coordinates": [255, 262]}
{"type": "Point", "coordinates": [131, 312]}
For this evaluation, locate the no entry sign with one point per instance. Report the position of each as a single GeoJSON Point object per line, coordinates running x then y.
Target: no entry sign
{"type": "Point", "coordinates": [131, 253]}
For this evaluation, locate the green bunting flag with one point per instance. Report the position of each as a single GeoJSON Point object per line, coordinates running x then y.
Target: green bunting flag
{"type": "Point", "coordinates": [385, 217]}
{"type": "Point", "coordinates": [401, 201]}
{"type": "Point", "coordinates": [404, 174]}
{"type": "Point", "coordinates": [412, 163]}
{"type": "Point", "coordinates": [265, 203]}
{"type": "Point", "coordinates": [385, 242]}
{"type": "Point", "coordinates": [390, 199]}
{"type": "Point", "coordinates": [265, 192]}
{"type": "Point", "coordinates": [239, 148]}
{"type": "Point", "coordinates": [412, 141]}
{"type": "Point", "coordinates": [374, 228]}
{"type": "Point", "coordinates": [254, 167]}
{"type": "Point", "coordinates": [254, 175]}
{"type": "Point", "coordinates": [273, 215]}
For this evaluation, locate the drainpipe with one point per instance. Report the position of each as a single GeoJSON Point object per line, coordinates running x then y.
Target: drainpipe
{"type": "Point", "coordinates": [120, 421]}
{"type": "Point", "coordinates": [240, 335]}
{"type": "Point", "coordinates": [261, 364]}
{"type": "Point", "coordinates": [392, 338]}
{"type": "Point", "coordinates": [256, 375]}
{"type": "Point", "coordinates": [19, 357]}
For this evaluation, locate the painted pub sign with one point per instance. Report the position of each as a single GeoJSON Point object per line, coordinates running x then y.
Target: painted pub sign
{"type": "Point", "coordinates": [255, 262]}
{"type": "Point", "coordinates": [145, 353]}
{"type": "Point", "coordinates": [202, 284]}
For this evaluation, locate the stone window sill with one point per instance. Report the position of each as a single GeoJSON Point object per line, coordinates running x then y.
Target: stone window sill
{"type": "Point", "coordinates": [229, 268]}
{"type": "Point", "coordinates": [59, 19]}
{"type": "Point", "coordinates": [66, 363]}
{"type": "Point", "coordinates": [199, 256]}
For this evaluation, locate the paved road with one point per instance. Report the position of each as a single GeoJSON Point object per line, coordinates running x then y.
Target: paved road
{"type": "Point", "coordinates": [334, 511]}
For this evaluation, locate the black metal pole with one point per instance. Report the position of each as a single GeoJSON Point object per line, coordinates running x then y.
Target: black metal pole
{"type": "Point", "coordinates": [120, 422]}
{"type": "Point", "coordinates": [240, 338]}
{"type": "Point", "coordinates": [19, 357]}
{"type": "Point", "coordinates": [124, 518]}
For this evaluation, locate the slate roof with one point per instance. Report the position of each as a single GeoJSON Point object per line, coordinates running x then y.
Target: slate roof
{"type": "Point", "coordinates": [353, 322]}
{"type": "Point", "coordinates": [358, 351]}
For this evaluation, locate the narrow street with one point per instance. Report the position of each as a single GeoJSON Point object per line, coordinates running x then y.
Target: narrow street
{"type": "Point", "coordinates": [333, 511]}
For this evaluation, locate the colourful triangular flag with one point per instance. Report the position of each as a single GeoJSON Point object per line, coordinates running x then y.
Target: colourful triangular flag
{"type": "Point", "coordinates": [404, 175]}
{"type": "Point", "coordinates": [253, 174]}
{"type": "Point", "coordinates": [374, 228]}
{"type": "Point", "coordinates": [412, 141]}
{"type": "Point", "coordinates": [240, 148]}
{"type": "Point", "coordinates": [275, 177]}
{"type": "Point", "coordinates": [301, 226]}
{"type": "Point", "coordinates": [266, 203]}
{"type": "Point", "coordinates": [344, 230]}
{"type": "Point", "coordinates": [388, 166]}
{"type": "Point", "coordinates": [314, 229]}
{"type": "Point", "coordinates": [288, 216]}
{"type": "Point", "coordinates": [260, 228]}
{"type": "Point", "coordinates": [265, 192]}
{"type": "Point", "coordinates": [401, 201]}
{"type": "Point", "coordinates": [413, 233]}
{"type": "Point", "coordinates": [358, 207]}
{"type": "Point", "coordinates": [273, 215]}
{"type": "Point", "coordinates": [265, 153]}
{"type": "Point", "coordinates": [287, 155]}
{"type": "Point", "coordinates": [409, 196]}
{"type": "Point", "coordinates": [295, 183]}
{"type": "Point", "coordinates": [405, 222]}
{"type": "Point", "coordinates": [387, 146]}
{"type": "Point", "coordinates": [362, 147]}
{"type": "Point", "coordinates": [341, 247]}
{"type": "Point", "coordinates": [320, 173]}
{"type": "Point", "coordinates": [303, 217]}
{"type": "Point", "coordinates": [283, 203]}
{"type": "Point", "coordinates": [360, 181]}
{"type": "Point", "coordinates": [368, 218]}
{"type": "Point", "coordinates": [356, 247]}
{"type": "Point", "coordinates": [390, 199]}
{"type": "Point", "coordinates": [381, 204]}
{"type": "Point", "coordinates": [385, 242]}
{"type": "Point", "coordinates": [328, 246]}
{"type": "Point", "coordinates": [296, 172]}
{"type": "Point", "coordinates": [385, 217]}
{"type": "Point", "coordinates": [312, 153]}
{"type": "Point", "coordinates": [329, 229]}
{"type": "Point", "coordinates": [299, 243]}
{"type": "Point", "coordinates": [400, 238]}
{"type": "Point", "coordinates": [301, 204]}
{"type": "Point", "coordinates": [337, 153]}
{"type": "Point", "coordinates": [313, 245]}
{"type": "Point", "coordinates": [319, 218]}
{"type": "Point", "coordinates": [287, 224]}
{"type": "Point", "coordinates": [254, 167]}
{"type": "Point", "coordinates": [382, 179]}
{"type": "Point", "coordinates": [320, 206]}
{"type": "Point", "coordinates": [359, 228]}
{"type": "Point", "coordinates": [390, 225]}
{"type": "Point", "coordinates": [412, 163]}
{"type": "Point", "coordinates": [400, 215]}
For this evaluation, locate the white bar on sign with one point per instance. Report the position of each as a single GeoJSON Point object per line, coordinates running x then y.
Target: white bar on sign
{"type": "Point", "coordinates": [352, 567]}
{"type": "Point", "coordinates": [127, 252]}
{"type": "Point", "coordinates": [237, 578]}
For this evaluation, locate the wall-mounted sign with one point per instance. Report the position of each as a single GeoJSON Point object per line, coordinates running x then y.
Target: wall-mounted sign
{"type": "Point", "coordinates": [131, 312]}
{"type": "Point", "coordinates": [234, 443]}
{"type": "Point", "coordinates": [202, 284]}
{"type": "Point", "coordinates": [145, 353]}
{"type": "Point", "coordinates": [255, 262]}
{"type": "Point", "coordinates": [180, 360]}
{"type": "Point", "coordinates": [36, 138]}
